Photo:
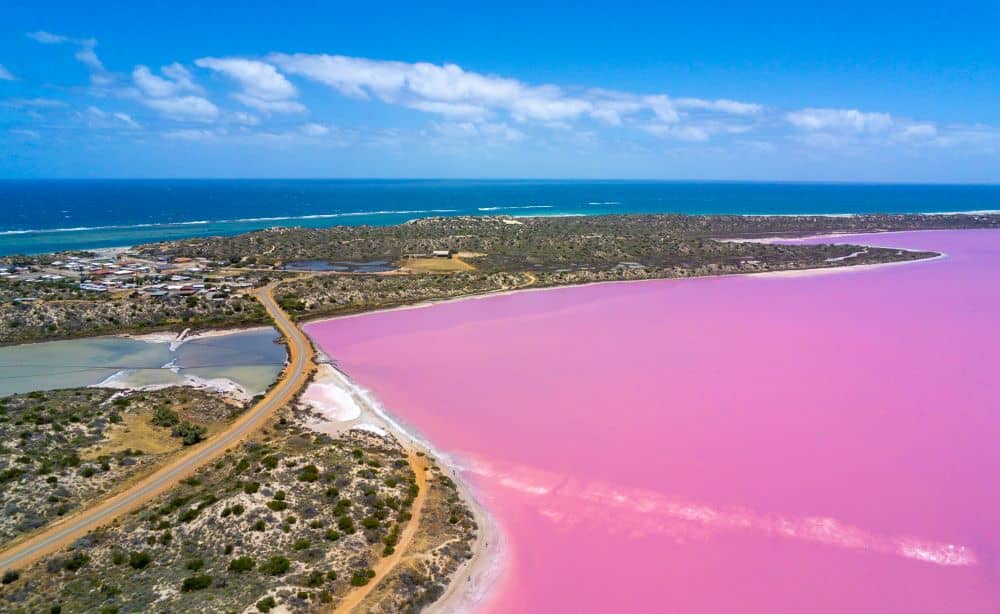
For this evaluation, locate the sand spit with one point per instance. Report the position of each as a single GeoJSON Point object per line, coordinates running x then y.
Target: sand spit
{"type": "Point", "coordinates": [341, 405]}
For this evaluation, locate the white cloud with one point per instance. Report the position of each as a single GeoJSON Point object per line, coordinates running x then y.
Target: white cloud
{"type": "Point", "coordinates": [180, 76]}
{"type": "Point", "coordinates": [455, 110]}
{"type": "Point", "coordinates": [721, 105]}
{"type": "Point", "coordinates": [126, 119]}
{"type": "Point", "coordinates": [850, 120]}
{"type": "Point", "coordinates": [175, 81]}
{"type": "Point", "coordinates": [172, 94]}
{"type": "Point", "coordinates": [459, 94]}
{"type": "Point", "coordinates": [270, 106]}
{"type": "Point", "coordinates": [692, 134]}
{"type": "Point", "coordinates": [88, 56]}
{"type": "Point", "coordinates": [493, 132]}
{"type": "Point", "coordinates": [98, 118]}
{"type": "Point", "coordinates": [5, 75]}
{"type": "Point", "coordinates": [33, 103]}
{"type": "Point", "coordinates": [189, 134]}
{"type": "Point", "coordinates": [25, 133]}
{"type": "Point", "coordinates": [246, 119]}
{"type": "Point", "coordinates": [184, 108]}
{"type": "Point", "coordinates": [696, 132]}
{"type": "Point", "coordinates": [924, 130]}
{"type": "Point", "coordinates": [979, 137]}
{"type": "Point", "coordinates": [264, 88]}
{"type": "Point", "coordinates": [85, 53]}
{"type": "Point", "coordinates": [314, 129]}
{"type": "Point", "coordinates": [47, 38]}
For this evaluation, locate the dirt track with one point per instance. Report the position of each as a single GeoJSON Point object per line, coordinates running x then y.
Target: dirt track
{"type": "Point", "coordinates": [291, 381]}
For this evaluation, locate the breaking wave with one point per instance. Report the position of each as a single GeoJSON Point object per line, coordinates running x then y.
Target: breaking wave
{"type": "Point", "coordinates": [282, 218]}
{"type": "Point", "coordinates": [505, 208]}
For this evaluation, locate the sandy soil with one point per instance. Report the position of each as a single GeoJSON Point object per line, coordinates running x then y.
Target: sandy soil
{"type": "Point", "coordinates": [436, 265]}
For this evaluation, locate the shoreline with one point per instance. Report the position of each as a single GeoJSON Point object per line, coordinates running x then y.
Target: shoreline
{"type": "Point", "coordinates": [472, 582]}
{"type": "Point", "coordinates": [787, 272]}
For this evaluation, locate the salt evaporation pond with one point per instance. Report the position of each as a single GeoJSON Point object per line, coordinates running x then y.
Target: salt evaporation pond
{"type": "Point", "coordinates": [744, 444]}
{"type": "Point", "coordinates": [250, 358]}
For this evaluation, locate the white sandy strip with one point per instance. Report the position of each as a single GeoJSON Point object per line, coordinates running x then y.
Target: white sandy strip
{"type": "Point", "coordinates": [226, 387]}
{"type": "Point", "coordinates": [176, 339]}
{"type": "Point", "coordinates": [475, 578]}
{"type": "Point", "coordinates": [635, 512]}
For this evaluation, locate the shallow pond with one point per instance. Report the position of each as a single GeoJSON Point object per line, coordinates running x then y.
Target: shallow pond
{"type": "Point", "coordinates": [346, 266]}
{"type": "Point", "coordinates": [250, 359]}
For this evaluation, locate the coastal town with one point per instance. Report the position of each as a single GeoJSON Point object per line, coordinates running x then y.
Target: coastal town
{"type": "Point", "coordinates": [123, 271]}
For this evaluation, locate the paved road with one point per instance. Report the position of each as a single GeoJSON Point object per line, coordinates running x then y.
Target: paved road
{"type": "Point", "coordinates": [64, 532]}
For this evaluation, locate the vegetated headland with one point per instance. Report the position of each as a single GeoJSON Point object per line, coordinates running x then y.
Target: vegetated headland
{"type": "Point", "coordinates": [207, 282]}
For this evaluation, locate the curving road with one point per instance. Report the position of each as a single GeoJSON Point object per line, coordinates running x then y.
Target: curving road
{"type": "Point", "coordinates": [291, 381]}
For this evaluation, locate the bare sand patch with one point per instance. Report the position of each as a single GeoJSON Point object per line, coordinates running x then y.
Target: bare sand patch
{"type": "Point", "coordinates": [436, 265]}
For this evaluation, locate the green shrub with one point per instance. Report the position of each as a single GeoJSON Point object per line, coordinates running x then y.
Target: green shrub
{"type": "Point", "coordinates": [11, 575]}
{"type": "Point", "coordinates": [275, 566]}
{"type": "Point", "coordinates": [362, 577]}
{"type": "Point", "coordinates": [346, 524]}
{"type": "Point", "coordinates": [242, 564]}
{"type": "Point", "coordinates": [196, 583]}
{"type": "Point", "coordinates": [301, 544]}
{"type": "Point", "coordinates": [188, 515]}
{"type": "Point", "coordinates": [166, 417]}
{"type": "Point", "coordinates": [279, 496]}
{"type": "Point", "coordinates": [315, 579]}
{"type": "Point", "coordinates": [277, 506]}
{"type": "Point", "coordinates": [332, 535]}
{"type": "Point", "coordinates": [76, 561]}
{"type": "Point", "coordinates": [266, 604]}
{"type": "Point", "coordinates": [309, 473]}
{"type": "Point", "coordinates": [251, 487]}
{"type": "Point", "coordinates": [194, 564]}
{"type": "Point", "coordinates": [190, 434]}
{"type": "Point", "coordinates": [139, 560]}
{"type": "Point", "coordinates": [260, 525]}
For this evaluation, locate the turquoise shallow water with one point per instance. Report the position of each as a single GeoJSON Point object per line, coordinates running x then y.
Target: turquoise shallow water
{"type": "Point", "coordinates": [43, 216]}
{"type": "Point", "coordinates": [248, 358]}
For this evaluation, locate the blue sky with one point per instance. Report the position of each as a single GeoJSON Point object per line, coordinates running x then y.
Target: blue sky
{"type": "Point", "coordinates": [768, 91]}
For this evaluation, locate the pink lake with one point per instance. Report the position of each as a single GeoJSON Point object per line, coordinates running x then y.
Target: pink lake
{"type": "Point", "coordinates": [809, 443]}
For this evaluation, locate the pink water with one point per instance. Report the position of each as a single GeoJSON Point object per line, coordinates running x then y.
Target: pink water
{"type": "Point", "coordinates": [742, 444]}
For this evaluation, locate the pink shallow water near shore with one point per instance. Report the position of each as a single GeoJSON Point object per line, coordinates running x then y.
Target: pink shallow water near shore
{"type": "Point", "coordinates": [740, 444]}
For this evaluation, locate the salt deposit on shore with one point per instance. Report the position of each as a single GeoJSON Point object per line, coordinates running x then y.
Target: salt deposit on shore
{"type": "Point", "coordinates": [226, 387]}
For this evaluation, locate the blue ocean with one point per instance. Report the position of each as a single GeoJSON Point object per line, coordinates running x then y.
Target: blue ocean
{"type": "Point", "coordinates": [44, 216]}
